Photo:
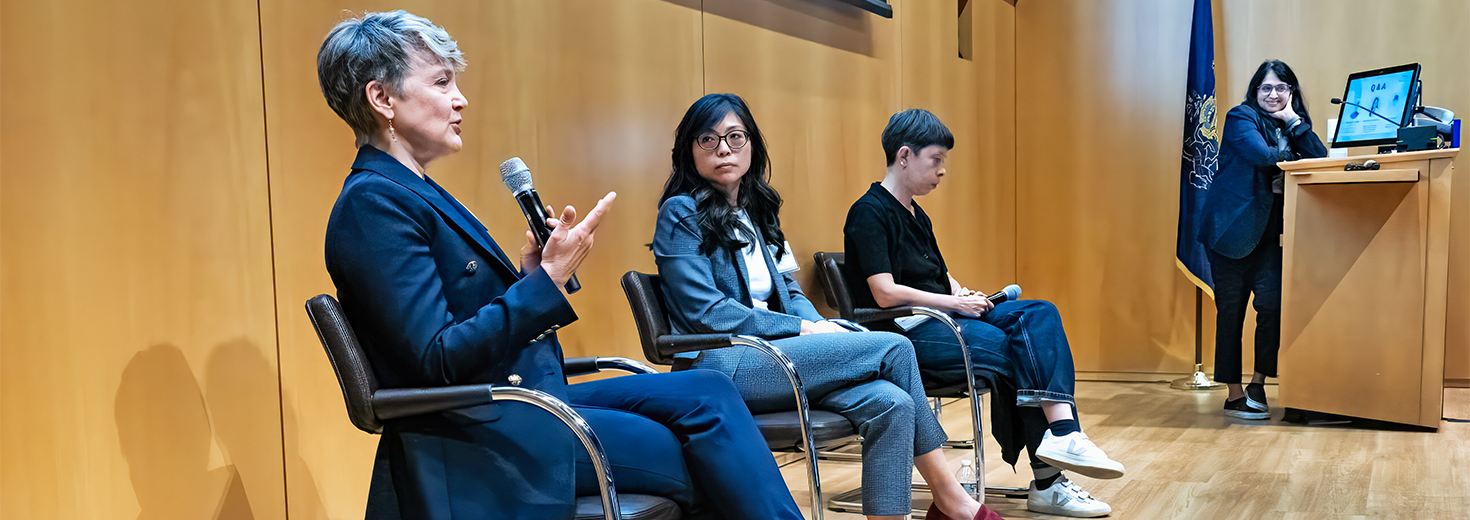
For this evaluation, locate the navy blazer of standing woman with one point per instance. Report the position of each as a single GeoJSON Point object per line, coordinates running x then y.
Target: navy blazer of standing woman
{"type": "Point", "coordinates": [1238, 203]}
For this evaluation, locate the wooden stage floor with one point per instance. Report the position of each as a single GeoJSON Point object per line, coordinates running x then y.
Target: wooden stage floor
{"type": "Point", "coordinates": [1186, 460]}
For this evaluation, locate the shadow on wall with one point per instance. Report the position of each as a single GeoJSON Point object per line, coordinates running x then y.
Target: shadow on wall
{"type": "Point", "coordinates": [164, 431]}
{"type": "Point", "coordinates": [832, 23]}
{"type": "Point", "coordinates": [166, 425]}
{"type": "Point", "coordinates": [237, 368]}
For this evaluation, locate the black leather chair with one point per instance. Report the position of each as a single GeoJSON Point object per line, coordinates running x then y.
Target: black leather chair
{"type": "Point", "coordinates": [979, 382]}
{"type": "Point", "coordinates": [368, 406]}
{"type": "Point", "coordinates": [784, 431]}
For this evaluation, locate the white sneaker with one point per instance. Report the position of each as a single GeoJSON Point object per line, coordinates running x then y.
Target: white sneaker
{"type": "Point", "coordinates": [1066, 499]}
{"type": "Point", "coordinates": [1076, 453]}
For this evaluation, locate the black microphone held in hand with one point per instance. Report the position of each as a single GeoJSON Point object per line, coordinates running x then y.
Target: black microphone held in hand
{"type": "Point", "coordinates": [517, 178]}
{"type": "Point", "coordinates": [1396, 124]}
{"type": "Point", "coordinates": [1011, 292]}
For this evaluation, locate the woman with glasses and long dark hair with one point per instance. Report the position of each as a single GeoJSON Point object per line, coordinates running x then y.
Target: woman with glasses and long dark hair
{"type": "Point", "coordinates": [1243, 222]}
{"type": "Point", "coordinates": [726, 269]}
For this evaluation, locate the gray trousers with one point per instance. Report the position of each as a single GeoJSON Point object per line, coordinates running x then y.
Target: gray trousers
{"type": "Point", "coordinates": [871, 378]}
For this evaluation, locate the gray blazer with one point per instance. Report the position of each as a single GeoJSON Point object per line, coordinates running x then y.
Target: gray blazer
{"type": "Point", "coordinates": [710, 293]}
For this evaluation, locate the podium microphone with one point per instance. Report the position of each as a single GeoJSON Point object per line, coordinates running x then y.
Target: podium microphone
{"type": "Point", "coordinates": [517, 178]}
{"type": "Point", "coordinates": [1337, 101]}
{"type": "Point", "coordinates": [1011, 292]}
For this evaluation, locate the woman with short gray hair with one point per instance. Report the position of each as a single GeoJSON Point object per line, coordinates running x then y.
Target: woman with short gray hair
{"type": "Point", "coordinates": [435, 302]}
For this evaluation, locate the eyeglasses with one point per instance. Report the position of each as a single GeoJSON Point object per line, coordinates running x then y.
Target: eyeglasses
{"type": "Point", "coordinates": [1280, 89]}
{"type": "Point", "coordinates": [710, 140]}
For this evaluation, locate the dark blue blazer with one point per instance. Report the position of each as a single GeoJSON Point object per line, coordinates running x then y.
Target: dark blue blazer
{"type": "Point", "coordinates": [1238, 204]}
{"type": "Point", "coordinates": [435, 302]}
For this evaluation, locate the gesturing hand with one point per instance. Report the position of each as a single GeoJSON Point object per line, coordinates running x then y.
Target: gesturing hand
{"type": "Point", "coordinates": [570, 241]}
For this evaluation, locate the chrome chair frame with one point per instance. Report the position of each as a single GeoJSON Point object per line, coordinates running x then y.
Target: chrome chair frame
{"type": "Point", "coordinates": [368, 406]}
{"type": "Point", "coordinates": [663, 347]}
{"type": "Point", "coordinates": [835, 287]}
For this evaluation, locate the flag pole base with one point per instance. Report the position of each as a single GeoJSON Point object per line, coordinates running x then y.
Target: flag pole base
{"type": "Point", "coordinates": [1198, 381]}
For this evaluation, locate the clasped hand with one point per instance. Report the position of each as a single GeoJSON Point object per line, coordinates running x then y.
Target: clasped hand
{"type": "Point", "coordinates": [569, 243]}
{"type": "Point", "coordinates": [820, 327]}
{"type": "Point", "coordinates": [970, 303]}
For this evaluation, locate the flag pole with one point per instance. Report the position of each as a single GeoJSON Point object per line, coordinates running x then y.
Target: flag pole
{"type": "Point", "coordinates": [1198, 381]}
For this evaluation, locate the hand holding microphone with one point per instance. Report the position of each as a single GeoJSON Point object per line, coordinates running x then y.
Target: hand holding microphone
{"type": "Point", "coordinates": [972, 305]}
{"type": "Point", "coordinates": [563, 243]}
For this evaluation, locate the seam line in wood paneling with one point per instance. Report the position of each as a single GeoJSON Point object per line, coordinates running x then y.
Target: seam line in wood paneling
{"type": "Point", "coordinates": [275, 292]}
{"type": "Point", "coordinates": [703, 56]}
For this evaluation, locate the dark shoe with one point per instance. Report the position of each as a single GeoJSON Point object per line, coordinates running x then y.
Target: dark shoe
{"type": "Point", "coordinates": [1255, 397]}
{"type": "Point", "coordinates": [986, 514]}
{"type": "Point", "coordinates": [934, 512]}
{"type": "Point", "coordinates": [1240, 410]}
{"type": "Point", "coordinates": [983, 514]}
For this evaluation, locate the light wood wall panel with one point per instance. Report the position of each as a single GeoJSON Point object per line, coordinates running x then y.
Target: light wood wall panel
{"type": "Point", "coordinates": [587, 93]}
{"type": "Point", "coordinates": [138, 367]}
{"type": "Point", "coordinates": [974, 208]}
{"type": "Point", "coordinates": [1100, 97]}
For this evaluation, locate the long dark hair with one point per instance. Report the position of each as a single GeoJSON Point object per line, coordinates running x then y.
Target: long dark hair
{"type": "Point", "coordinates": [717, 220]}
{"type": "Point", "coordinates": [1298, 100]}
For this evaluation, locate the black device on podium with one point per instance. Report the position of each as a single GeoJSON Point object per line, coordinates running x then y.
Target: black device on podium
{"type": "Point", "coordinates": [1375, 105]}
{"type": "Point", "coordinates": [1384, 107]}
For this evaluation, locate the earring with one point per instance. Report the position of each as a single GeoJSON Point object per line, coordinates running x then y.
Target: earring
{"type": "Point", "coordinates": [390, 130]}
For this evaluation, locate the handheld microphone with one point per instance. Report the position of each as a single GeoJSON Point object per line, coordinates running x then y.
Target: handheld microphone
{"type": "Point", "coordinates": [1337, 101]}
{"type": "Point", "coordinates": [517, 178]}
{"type": "Point", "coordinates": [1011, 292]}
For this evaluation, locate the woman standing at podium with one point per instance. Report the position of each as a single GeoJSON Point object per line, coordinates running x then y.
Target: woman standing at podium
{"type": "Point", "coordinates": [1242, 225]}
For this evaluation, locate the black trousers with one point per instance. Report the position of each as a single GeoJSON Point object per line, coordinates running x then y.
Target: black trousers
{"type": "Point", "coordinates": [1235, 280]}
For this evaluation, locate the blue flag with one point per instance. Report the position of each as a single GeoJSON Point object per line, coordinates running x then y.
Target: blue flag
{"type": "Point", "coordinates": [1201, 148]}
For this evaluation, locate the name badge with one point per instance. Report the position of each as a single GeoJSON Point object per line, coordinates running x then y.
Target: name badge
{"type": "Point", "coordinates": [787, 264]}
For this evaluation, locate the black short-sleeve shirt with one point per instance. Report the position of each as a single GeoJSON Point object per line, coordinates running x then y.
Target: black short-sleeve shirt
{"type": "Point", "coordinates": [880, 236]}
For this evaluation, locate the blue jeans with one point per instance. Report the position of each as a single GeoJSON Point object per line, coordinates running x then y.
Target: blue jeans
{"type": "Point", "coordinates": [1022, 340]}
{"type": "Point", "coordinates": [686, 436]}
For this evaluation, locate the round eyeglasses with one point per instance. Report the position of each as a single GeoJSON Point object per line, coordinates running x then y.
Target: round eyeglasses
{"type": "Point", "coordinates": [709, 140]}
{"type": "Point", "coordinates": [1280, 89]}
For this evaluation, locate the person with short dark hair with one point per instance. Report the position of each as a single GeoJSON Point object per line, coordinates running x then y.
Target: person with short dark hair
{"type": "Point", "coordinates": [893, 260]}
{"type": "Point", "coordinates": [726, 269]}
{"type": "Point", "coordinates": [436, 302]}
{"type": "Point", "coordinates": [1242, 222]}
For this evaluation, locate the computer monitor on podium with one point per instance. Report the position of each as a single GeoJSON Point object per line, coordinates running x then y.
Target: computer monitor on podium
{"type": "Point", "coordinates": [1390, 93]}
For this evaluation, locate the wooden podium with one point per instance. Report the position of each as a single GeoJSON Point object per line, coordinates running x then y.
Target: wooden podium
{"type": "Point", "coordinates": [1364, 286]}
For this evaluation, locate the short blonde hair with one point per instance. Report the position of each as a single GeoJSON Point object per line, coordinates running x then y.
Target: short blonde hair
{"type": "Point", "coordinates": [377, 47]}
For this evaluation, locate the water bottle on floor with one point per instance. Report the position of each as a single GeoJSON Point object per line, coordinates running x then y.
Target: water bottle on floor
{"type": "Point", "coordinates": [968, 477]}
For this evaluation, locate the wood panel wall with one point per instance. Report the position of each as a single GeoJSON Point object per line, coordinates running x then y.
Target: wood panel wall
{"type": "Point", "coordinates": [138, 374]}
{"type": "Point", "coordinates": [1103, 82]}
{"type": "Point", "coordinates": [1099, 101]}
{"type": "Point", "coordinates": [168, 168]}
